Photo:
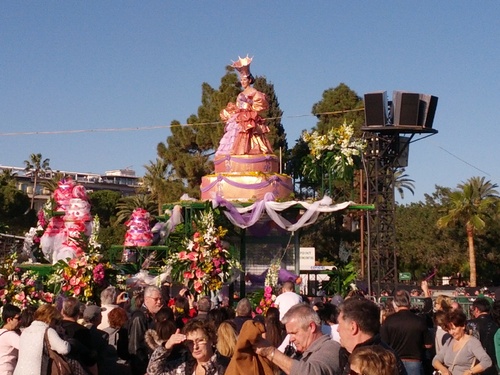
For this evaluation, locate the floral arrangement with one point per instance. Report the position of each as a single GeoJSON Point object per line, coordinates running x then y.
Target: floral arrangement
{"type": "Point", "coordinates": [31, 246]}
{"type": "Point", "coordinates": [271, 281]}
{"type": "Point", "coordinates": [21, 287]}
{"type": "Point", "coordinates": [204, 264]}
{"type": "Point", "coordinates": [84, 277]}
{"type": "Point", "coordinates": [335, 153]}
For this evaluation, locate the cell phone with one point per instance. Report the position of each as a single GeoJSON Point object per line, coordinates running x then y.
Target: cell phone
{"type": "Point", "coordinates": [125, 296]}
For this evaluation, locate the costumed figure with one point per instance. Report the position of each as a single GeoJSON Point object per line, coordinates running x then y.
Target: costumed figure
{"type": "Point", "coordinates": [245, 130]}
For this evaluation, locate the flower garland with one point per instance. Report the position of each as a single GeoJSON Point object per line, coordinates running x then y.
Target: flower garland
{"type": "Point", "coordinates": [21, 287]}
{"type": "Point", "coordinates": [205, 263]}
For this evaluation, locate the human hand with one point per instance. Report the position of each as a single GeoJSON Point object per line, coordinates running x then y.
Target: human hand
{"type": "Point", "coordinates": [122, 298]}
{"type": "Point", "coordinates": [175, 339]}
{"type": "Point", "coordinates": [425, 288]}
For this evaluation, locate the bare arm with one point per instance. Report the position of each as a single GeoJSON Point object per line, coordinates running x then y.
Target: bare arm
{"type": "Point", "coordinates": [276, 357]}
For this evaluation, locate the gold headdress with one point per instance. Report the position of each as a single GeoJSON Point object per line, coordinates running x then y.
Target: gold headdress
{"type": "Point", "coordinates": [242, 65]}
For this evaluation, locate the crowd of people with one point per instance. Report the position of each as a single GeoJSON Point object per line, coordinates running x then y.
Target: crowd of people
{"type": "Point", "coordinates": [150, 332]}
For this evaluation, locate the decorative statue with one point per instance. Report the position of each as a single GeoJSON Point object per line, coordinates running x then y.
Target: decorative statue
{"type": "Point", "coordinates": [245, 130]}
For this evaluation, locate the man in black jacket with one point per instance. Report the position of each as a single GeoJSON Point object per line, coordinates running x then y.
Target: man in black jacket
{"type": "Point", "coordinates": [359, 325]}
{"type": "Point", "coordinates": [140, 321]}
{"type": "Point", "coordinates": [485, 328]}
{"type": "Point", "coordinates": [407, 334]}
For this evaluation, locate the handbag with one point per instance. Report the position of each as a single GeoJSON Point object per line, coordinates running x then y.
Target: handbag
{"type": "Point", "coordinates": [57, 364]}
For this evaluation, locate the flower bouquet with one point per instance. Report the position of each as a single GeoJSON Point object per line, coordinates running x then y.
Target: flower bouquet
{"type": "Point", "coordinates": [83, 277]}
{"type": "Point", "coordinates": [204, 264]}
{"type": "Point", "coordinates": [334, 155]}
{"type": "Point", "coordinates": [21, 287]}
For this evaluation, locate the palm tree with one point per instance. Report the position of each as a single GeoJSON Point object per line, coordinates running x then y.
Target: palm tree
{"type": "Point", "coordinates": [474, 201]}
{"type": "Point", "coordinates": [53, 183]}
{"type": "Point", "coordinates": [37, 168]}
{"type": "Point", "coordinates": [154, 180]}
{"type": "Point", "coordinates": [402, 181]}
{"type": "Point", "coordinates": [127, 205]}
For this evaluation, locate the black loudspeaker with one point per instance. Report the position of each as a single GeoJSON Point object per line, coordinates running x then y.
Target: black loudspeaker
{"type": "Point", "coordinates": [403, 152]}
{"type": "Point", "coordinates": [376, 108]}
{"type": "Point", "coordinates": [427, 110]}
{"type": "Point", "coordinates": [406, 108]}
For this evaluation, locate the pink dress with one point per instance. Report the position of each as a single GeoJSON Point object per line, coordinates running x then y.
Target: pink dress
{"type": "Point", "coordinates": [245, 131]}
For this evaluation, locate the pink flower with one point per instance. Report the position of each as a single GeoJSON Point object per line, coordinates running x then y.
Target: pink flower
{"type": "Point", "coordinates": [188, 275]}
{"type": "Point", "coordinates": [48, 297]}
{"type": "Point", "coordinates": [193, 255]}
{"type": "Point", "coordinates": [77, 290]}
{"type": "Point", "coordinates": [199, 273]}
{"type": "Point", "coordinates": [73, 263]}
{"type": "Point", "coordinates": [74, 280]}
{"type": "Point", "coordinates": [268, 289]}
{"type": "Point", "coordinates": [198, 286]}
{"type": "Point", "coordinates": [258, 310]}
{"type": "Point", "coordinates": [99, 273]}
{"type": "Point", "coordinates": [20, 297]}
{"type": "Point", "coordinates": [183, 255]}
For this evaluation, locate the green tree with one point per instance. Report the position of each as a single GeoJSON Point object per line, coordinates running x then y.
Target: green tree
{"type": "Point", "coordinates": [470, 205]}
{"type": "Point", "coordinates": [36, 167]}
{"type": "Point", "coordinates": [8, 176]}
{"type": "Point", "coordinates": [422, 246]}
{"type": "Point", "coordinates": [154, 180]}
{"type": "Point", "coordinates": [15, 212]}
{"type": "Point", "coordinates": [338, 105]}
{"type": "Point", "coordinates": [104, 203]}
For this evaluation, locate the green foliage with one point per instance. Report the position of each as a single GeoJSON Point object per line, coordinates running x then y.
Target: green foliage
{"type": "Point", "coordinates": [338, 100]}
{"type": "Point", "coordinates": [15, 210]}
{"type": "Point", "coordinates": [37, 167]}
{"type": "Point", "coordinates": [417, 237]}
{"type": "Point", "coordinates": [104, 204]}
{"type": "Point", "coordinates": [127, 205]}
{"type": "Point", "coordinates": [402, 182]}
{"type": "Point", "coordinates": [340, 280]}
{"type": "Point", "coordinates": [338, 106]}
{"type": "Point", "coordinates": [470, 205]}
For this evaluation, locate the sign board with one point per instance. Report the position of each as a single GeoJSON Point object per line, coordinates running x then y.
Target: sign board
{"type": "Point", "coordinates": [404, 276]}
{"type": "Point", "coordinates": [307, 257]}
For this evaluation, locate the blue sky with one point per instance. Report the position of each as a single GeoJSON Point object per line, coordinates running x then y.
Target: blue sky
{"type": "Point", "coordinates": [84, 65]}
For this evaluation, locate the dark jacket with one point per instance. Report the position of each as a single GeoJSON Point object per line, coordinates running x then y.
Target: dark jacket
{"type": "Point", "coordinates": [375, 340]}
{"type": "Point", "coordinates": [139, 323]}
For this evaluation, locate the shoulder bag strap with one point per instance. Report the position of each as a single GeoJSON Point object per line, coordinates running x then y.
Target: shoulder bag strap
{"type": "Point", "coordinates": [456, 355]}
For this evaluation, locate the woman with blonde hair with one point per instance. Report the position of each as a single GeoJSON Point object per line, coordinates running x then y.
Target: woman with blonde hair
{"type": "Point", "coordinates": [33, 358]}
{"type": "Point", "coordinates": [373, 360]}
{"type": "Point", "coordinates": [226, 338]}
